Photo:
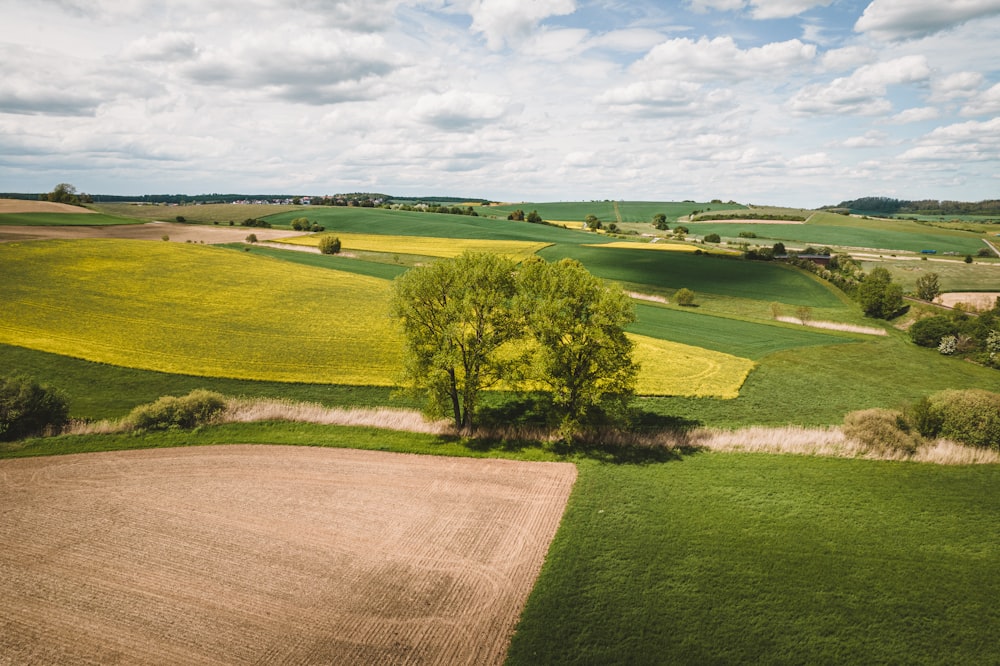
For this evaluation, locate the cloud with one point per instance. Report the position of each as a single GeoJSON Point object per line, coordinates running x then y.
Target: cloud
{"type": "Point", "coordinates": [164, 47]}
{"type": "Point", "coordinates": [984, 104]}
{"type": "Point", "coordinates": [760, 9]}
{"type": "Point", "coordinates": [720, 58]}
{"type": "Point", "coordinates": [871, 139]}
{"type": "Point", "coordinates": [506, 21]}
{"type": "Point", "coordinates": [962, 142]}
{"type": "Point", "coordinates": [20, 97]}
{"type": "Point", "coordinates": [915, 115]}
{"type": "Point", "coordinates": [957, 85]}
{"type": "Point", "coordinates": [665, 97]}
{"type": "Point", "coordinates": [318, 67]}
{"type": "Point", "coordinates": [455, 111]}
{"type": "Point", "coordinates": [906, 19]}
{"type": "Point", "coordinates": [864, 91]}
{"type": "Point", "coordinates": [848, 57]}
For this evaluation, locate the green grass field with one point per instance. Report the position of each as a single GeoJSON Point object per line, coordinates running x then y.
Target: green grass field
{"type": "Point", "coordinates": [606, 211]}
{"type": "Point", "coordinates": [200, 214]}
{"type": "Point", "coordinates": [703, 273]}
{"type": "Point", "coordinates": [716, 559]}
{"type": "Point", "coordinates": [62, 219]}
{"type": "Point", "coordinates": [953, 275]}
{"type": "Point", "coordinates": [829, 229]}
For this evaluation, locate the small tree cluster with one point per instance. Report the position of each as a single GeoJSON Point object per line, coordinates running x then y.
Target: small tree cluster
{"type": "Point", "coordinates": [712, 238]}
{"type": "Point", "coordinates": [879, 296]}
{"type": "Point", "coordinates": [660, 222]}
{"type": "Point", "coordinates": [957, 333]}
{"type": "Point", "coordinates": [28, 408]}
{"type": "Point", "coordinates": [254, 222]}
{"type": "Point", "coordinates": [970, 417]}
{"type": "Point", "coordinates": [303, 224]}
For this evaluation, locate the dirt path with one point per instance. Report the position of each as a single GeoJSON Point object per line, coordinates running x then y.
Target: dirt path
{"type": "Point", "coordinates": [270, 554]}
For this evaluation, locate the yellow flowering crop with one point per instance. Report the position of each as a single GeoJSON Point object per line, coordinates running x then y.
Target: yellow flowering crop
{"type": "Point", "coordinates": [197, 310]}
{"type": "Point", "coordinates": [422, 245]}
{"type": "Point", "coordinates": [670, 368]}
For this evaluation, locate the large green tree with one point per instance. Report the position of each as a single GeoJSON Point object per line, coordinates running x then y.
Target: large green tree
{"type": "Point", "coordinates": [880, 297]}
{"type": "Point", "coordinates": [577, 348]}
{"type": "Point", "coordinates": [456, 314]}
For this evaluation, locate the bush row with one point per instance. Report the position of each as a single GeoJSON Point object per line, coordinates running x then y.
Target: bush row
{"type": "Point", "coordinates": [970, 417]}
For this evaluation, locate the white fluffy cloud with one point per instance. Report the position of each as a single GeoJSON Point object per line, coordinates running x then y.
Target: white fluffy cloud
{"type": "Point", "coordinates": [864, 91]}
{"type": "Point", "coordinates": [722, 59]}
{"type": "Point", "coordinates": [902, 19]}
{"type": "Point", "coordinates": [760, 9]}
{"type": "Point", "coordinates": [986, 103]}
{"type": "Point", "coordinates": [504, 22]}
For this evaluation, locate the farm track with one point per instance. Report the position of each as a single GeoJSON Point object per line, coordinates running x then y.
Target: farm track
{"type": "Point", "coordinates": [260, 554]}
{"type": "Point", "coordinates": [175, 231]}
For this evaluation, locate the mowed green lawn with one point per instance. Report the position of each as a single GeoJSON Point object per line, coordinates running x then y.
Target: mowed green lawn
{"type": "Point", "coordinates": [758, 559]}
{"type": "Point", "coordinates": [762, 281]}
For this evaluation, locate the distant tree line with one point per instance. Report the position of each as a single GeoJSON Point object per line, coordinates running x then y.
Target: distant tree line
{"type": "Point", "coordinates": [890, 206]}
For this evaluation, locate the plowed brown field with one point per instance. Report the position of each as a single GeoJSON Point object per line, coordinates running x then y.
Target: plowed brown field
{"type": "Point", "coordinates": [267, 554]}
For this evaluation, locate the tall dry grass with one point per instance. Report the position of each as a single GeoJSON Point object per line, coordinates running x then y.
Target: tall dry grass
{"type": "Point", "coordinates": [788, 440]}
{"type": "Point", "coordinates": [833, 326]}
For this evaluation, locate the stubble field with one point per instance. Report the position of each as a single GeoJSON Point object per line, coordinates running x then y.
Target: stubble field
{"type": "Point", "coordinates": [259, 554]}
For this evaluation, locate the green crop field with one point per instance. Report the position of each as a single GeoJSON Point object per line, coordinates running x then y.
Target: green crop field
{"type": "Point", "coordinates": [753, 340]}
{"type": "Point", "coordinates": [726, 277]}
{"type": "Point", "coordinates": [201, 213]}
{"type": "Point", "coordinates": [830, 229]}
{"type": "Point", "coordinates": [606, 211]}
{"type": "Point", "coordinates": [62, 219]}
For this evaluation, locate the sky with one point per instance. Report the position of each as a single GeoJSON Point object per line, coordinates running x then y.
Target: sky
{"type": "Point", "coordinates": [780, 102]}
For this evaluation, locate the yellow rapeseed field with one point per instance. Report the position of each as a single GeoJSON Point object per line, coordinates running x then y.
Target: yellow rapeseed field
{"type": "Point", "coordinates": [422, 245]}
{"type": "Point", "coordinates": [197, 310]}
{"type": "Point", "coordinates": [670, 368]}
{"type": "Point", "coordinates": [204, 311]}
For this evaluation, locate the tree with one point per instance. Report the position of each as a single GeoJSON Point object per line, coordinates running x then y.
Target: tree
{"type": "Point", "coordinates": [778, 249]}
{"type": "Point", "coordinates": [534, 217]}
{"type": "Point", "coordinates": [64, 193]}
{"type": "Point", "coordinates": [329, 245]}
{"type": "Point", "coordinates": [684, 297]}
{"type": "Point", "coordinates": [252, 238]}
{"type": "Point", "coordinates": [456, 314]}
{"type": "Point", "coordinates": [660, 221]}
{"type": "Point", "coordinates": [28, 408]}
{"type": "Point", "coordinates": [879, 296]}
{"type": "Point", "coordinates": [928, 287]}
{"type": "Point", "coordinates": [592, 223]}
{"type": "Point", "coordinates": [578, 349]}
{"type": "Point", "coordinates": [712, 238]}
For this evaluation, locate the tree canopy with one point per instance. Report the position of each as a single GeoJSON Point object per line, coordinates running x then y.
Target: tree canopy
{"type": "Point", "coordinates": [479, 319]}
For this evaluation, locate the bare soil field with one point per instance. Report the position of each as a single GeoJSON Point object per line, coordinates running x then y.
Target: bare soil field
{"type": "Point", "coordinates": [177, 232]}
{"type": "Point", "coordinates": [270, 554]}
{"type": "Point", "coordinates": [977, 300]}
{"type": "Point", "coordinates": [26, 206]}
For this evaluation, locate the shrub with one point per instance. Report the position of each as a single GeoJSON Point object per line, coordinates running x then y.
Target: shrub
{"type": "Point", "coordinates": [180, 218]}
{"type": "Point", "coordinates": [329, 245]}
{"type": "Point", "coordinates": [713, 238]}
{"type": "Point", "coordinates": [970, 416]}
{"type": "Point", "coordinates": [881, 430]}
{"type": "Point", "coordinates": [196, 408]}
{"type": "Point", "coordinates": [984, 252]}
{"type": "Point", "coordinates": [252, 238]}
{"type": "Point", "coordinates": [929, 331]}
{"type": "Point", "coordinates": [948, 345]}
{"type": "Point", "coordinates": [684, 297]}
{"type": "Point", "coordinates": [28, 408]}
